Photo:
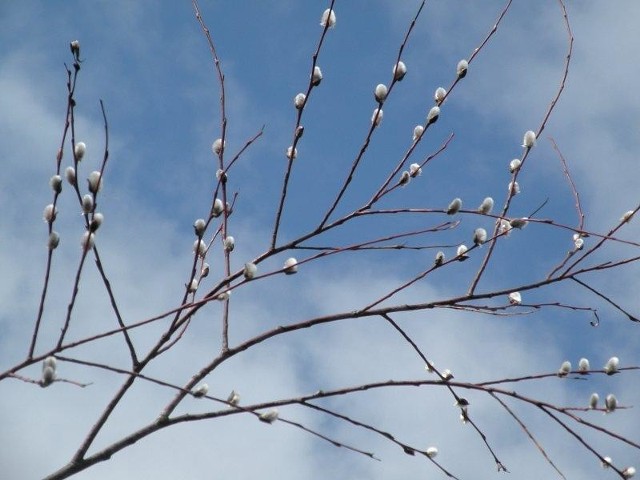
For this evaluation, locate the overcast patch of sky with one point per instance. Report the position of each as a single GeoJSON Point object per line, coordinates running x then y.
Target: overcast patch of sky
{"type": "Point", "coordinates": [153, 70]}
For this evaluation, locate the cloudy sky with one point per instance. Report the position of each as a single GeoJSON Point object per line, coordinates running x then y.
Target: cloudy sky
{"type": "Point", "coordinates": [151, 66]}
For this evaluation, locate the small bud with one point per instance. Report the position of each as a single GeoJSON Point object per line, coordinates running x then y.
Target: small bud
{"type": "Point", "coordinates": [218, 207]}
{"type": "Point", "coordinates": [479, 236]}
{"type": "Point", "coordinates": [250, 270]}
{"type": "Point", "coordinates": [464, 416]}
{"type": "Point", "coordinates": [486, 206]}
{"type": "Point", "coordinates": [415, 170]}
{"type": "Point", "coordinates": [87, 241]}
{"type": "Point", "coordinates": [328, 18]}
{"type": "Point", "coordinates": [96, 221]}
{"type": "Point", "coordinates": [611, 368]}
{"type": "Point", "coordinates": [578, 242]}
{"type": "Point", "coordinates": [606, 462]}
{"type": "Point", "coordinates": [380, 92]}
{"type": "Point", "coordinates": [376, 117]}
{"type": "Point", "coordinates": [529, 139]}
{"type": "Point", "coordinates": [461, 68]}
{"type": "Point", "coordinates": [201, 390]}
{"type": "Point", "coordinates": [292, 153]}
{"type": "Point", "coordinates": [54, 240]}
{"type": "Point", "coordinates": [49, 213]}
{"type": "Point", "coordinates": [79, 151]}
{"type": "Point", "coordinates": [513, 188]}
{"type": "Point", "coordinates": [221, 297]}
{"type": "Point", "coordinates": [316, 77]}
{"type": "Point", "coordinates": [75, 49]}
{"type": "Point", "coordinates": [515, 298]}
{"type": "Point", "coordinates": [399, 71]}
{"type": "Point", "coordinates": [439, 95]}
{"type": "Point", "coordinates": [583, 365]}
{"type": "Point", "coordinates": [229, 243]}
{"type": "Point", "coordinates": [70, 175]}
{"type": "Point", "coordinates": [429, 367]}
{"type": "Point", "coordinates": [565, 368]}
{"type": "Point", "coordinates": [610, 403]}
{"type": "Point", "coordinates": [447, 375]}
{"type": "Point", "coordinates": [56, 183]}
{"type": "Point", "coordinates": [404, 178]}
{"type": "Point", "coordinates": [218, 146]}
{"type": "Point", "coordinates": [193, 286]}
{"type": "Point", "coordinates": [519, 223]}
{"type": "Point", "coordinates": [432, 452]}
{"type": "Point", "coordinates": [199, 225]}
{"type": "Point", "coordinates": [514, 165]}
{"type": "Point", "coordinates": [593, 400]}
{"type": "Point", "coordinates": [290, 266]}
{"type": "Point", "coordinates": [454, 206]}
{"type": "Point", "coordinates": [432, 116]}
{"type": "Point", "coordinates": [221, 175]}
{"type": "Point", "coordinates": [200, 248]}
{"type": "Point", "coordinates": [205, 270]}
{"type": "Point", "coordinates": [299, 131]}
{"type": "Point", "coordinates": [270, 416]}
{"type": "Point", "coordinates": [95, 182]}
{"type": "Point", "coordinates": [299, 100]}
{"type": "Point", "coordinates": [439, 259]}
{"type": "Point", "coordinates": [48, 376]}
{"type": "Point", "coordinates": [628, 472]}
{"type": "Point", "coordinates": [461, 253]}
{"type": "Point", "coordinates": [418, 130]}
{"type": "Point", "coordinates": [627, 216]}
{"type": "Point", "coordinates": [87, 203]}
{"type": "Point", "coordinates": [234, 398]}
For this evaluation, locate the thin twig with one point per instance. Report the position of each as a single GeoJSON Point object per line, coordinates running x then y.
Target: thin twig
{"type": "Point", "coordinates": [507, 204]}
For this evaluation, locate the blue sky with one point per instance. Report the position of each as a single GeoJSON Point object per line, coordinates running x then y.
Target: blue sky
{"type": "Point", "coordinates": [150, 65]}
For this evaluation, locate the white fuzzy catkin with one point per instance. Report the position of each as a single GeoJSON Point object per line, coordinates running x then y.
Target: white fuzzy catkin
{"type": "Point", "coordinates": [399, 71]}
{"type": "Point", "coordinates": [529, 139]}
{"type": "Point", "coordinates": [316, 77]}
{"type": "Point", "coordinates": [376, 117]}
{"type": "Point", "coordinates": [290, 266]}
{"type": "Point", "coordinates": [515, 298]}
{"type": "Point", "coordinates": [328, 18]}
{"type": "Point", "coordinates": [79, 150]}
{"type": "Point", "coordinates": [380, 92]}
{"type": "Point", "coordinates": [433, 115]}
{"type": "Point", "coordinates": [461, 68]}
{"type": "Point", "coordinates": [95, 182]}
{"type": "Point", "coordinates": [250, 270]}
{"type": "Point", "coordinates": [53, 241]}
{"type": "Point", "coordinates": [87, 241]}
{"type": "Point", "coordinates": [49, 213]}
{"type": "Point", "coordinates": [486, 206]}
{"type": "Point", "coordinates": [218, 207]}
{"type": "Point", "coordinates": [299, 100]}
{"type": "Point", "coordinates": [479, 236]}
{"type": "Point", "coordinates": [70, 175]}
{"type": "Point", "coordinates": [611, 366]}
{"type": "Point", "coordinates": [217, 146]}
{"type": "Point", "coordinates": [56, 183]}
{"type": "Point", "coordinates": [454, 206]}
{"type": "Point", "coordinates": [418, 130]}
